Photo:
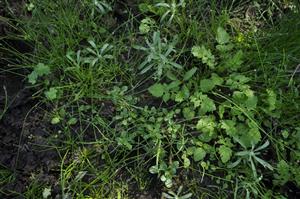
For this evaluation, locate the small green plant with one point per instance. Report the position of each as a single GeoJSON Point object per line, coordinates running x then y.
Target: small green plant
{"type": "Point", "coordinates": [39, 70]}
{"type": "Point", "coordinates": [171, 9]}
{"type": "Point", "coordinates": [99, 6]}
{"type": "Point", "coordinates": [251, 156]}
{"type": "Point", "coordinates": [158, 56]}
{"type": "Point", "coordinates": [165, 172]}
{"type": "Point", "coordinates": [91, 55]}
{"type": "Point", "coordinates": [177, 195]}
{"type": "Point", "coordinates": [146, 25]}
{"type": "Point", "coordinates": [176, 89]}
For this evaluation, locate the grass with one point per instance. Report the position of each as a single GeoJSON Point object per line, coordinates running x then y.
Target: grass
{"type": "Point", "coordinates": [196, 99]}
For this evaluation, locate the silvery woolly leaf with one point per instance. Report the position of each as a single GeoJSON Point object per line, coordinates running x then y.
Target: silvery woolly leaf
{"type": "Point", "coordinates": [162, 5]}
{"type": "Point", "coordinates": [266, 144]}
{"type": "Point", "coordinates": [234, 164]}
{"type": "Point", "coordinates": [264, 163]}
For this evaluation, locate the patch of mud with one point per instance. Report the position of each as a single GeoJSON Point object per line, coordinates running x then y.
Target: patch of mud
{"type": "Point", "coordinates": [23, 145]}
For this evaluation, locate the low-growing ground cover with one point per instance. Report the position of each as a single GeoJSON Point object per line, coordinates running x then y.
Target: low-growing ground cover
{"type": "Point", "coordinates": [150, 99]}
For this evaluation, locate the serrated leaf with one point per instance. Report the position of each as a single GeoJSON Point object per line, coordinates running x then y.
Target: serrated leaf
{"type": "Point", "coordinates": [157, 90]}
{"type": "Point", "coordinates": [207, 126]}
{"type": "Point", "coordinates": [206, 85]}
{"type": "Point", "coordinates": [222, 36]}
{"type": "Point", "coordinates": [199, 154]}
{"type": "Point", "coordinates": [225, 153]}
{"type": "Point", "coordinates": [188, 75]}
{"type": "Point", "coordinates": [255, 135]}
{"type": "Point", "coordinates": [207, 104]}
{"type": "Point", "coordinates": [235, 62]}
{"type": "Point", "coordinates": [188, 113]}
{"type": "Point", "coordinates": [284, 173]}
{"type": "Point", "coordinates": [205, 55]}
{"type": "Point", "coordinates": [229, 127]}
{"type": "Point", "coordinates": [216, 79]}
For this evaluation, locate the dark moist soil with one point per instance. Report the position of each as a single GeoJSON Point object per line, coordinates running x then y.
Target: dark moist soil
{"type": "Point", "coordinates": [23, 141]}
{"type": "Point", "coordinates": [24, 157]}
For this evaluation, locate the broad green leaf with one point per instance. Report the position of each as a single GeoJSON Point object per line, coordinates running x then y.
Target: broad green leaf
{"type": "Point", "coordinates": [166, 97]}
{"type": "Point", "coordinates": [207, 125]}
{"type": "Point", "coordinates": [189, 74]}
{"type": "Point", "coordinates": [51, 94]}
{"type": "Point", "coordinates": [174, 84]}
{"type": "Point", "coordinates": [237, 81]}
{"type": "Point", "coordinates": [206, 85]}
{"type": "Point", "coordinates": [222, 36]}
{"type": "Point", "coordinates": [216, 79]}
{"type": "Point", "coordinates": [251, 101]}
{"type": "Point", "coordinates": [207, 104]}
{"type": "Point", "coordinates": [199, 154]}
{"type": "Point", "coordinates": [182, 94]}
{"type": "Point", "coordinates": [229, 127]}
{"type": "Point", "coordinates": [254, 135]}
{"type": "Point", "coordinates": [171, 76]}
{"type": "Point", "coordinates": [224, 47]}
{"type": "Point", "coordinates": [248, 136]}
{"type": "Point", "coordinates": [157, 90]}
{"type": "Point", "coordinates": [225, 153]}
{"type": "Point", "coordinates": [188, 113]}
{"type": "Point", "coordinates": [235, 62]}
